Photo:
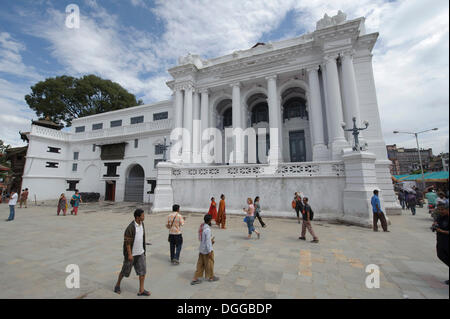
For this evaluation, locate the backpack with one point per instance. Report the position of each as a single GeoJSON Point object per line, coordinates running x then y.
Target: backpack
{"type": "Point", "coordinates": [294, 204]}
{"type": "Point", "coordinates": [311, 213]}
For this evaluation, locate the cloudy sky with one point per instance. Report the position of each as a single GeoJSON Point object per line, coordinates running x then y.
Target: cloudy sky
{"type": "Point", "coordinates": [134, 42]}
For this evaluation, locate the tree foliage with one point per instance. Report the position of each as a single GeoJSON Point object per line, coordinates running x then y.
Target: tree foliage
{"type": "Point", "coordinates": [65, 98]}
{"type": "Point", "coordinates": [3, 161]}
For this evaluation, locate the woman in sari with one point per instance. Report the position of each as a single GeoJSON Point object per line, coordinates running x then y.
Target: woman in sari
{"type": "Point", "coordinates": [221, 216]}
{"type": "Point", "coordinates": [213, 209]}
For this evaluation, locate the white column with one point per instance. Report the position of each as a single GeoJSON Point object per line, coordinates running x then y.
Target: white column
{"type": "Point", "coordinates": [350, 91]}
{"type": "Point", "coordinates": [274, 119]}
{"type": "Point", "coordinates": [196, 128]}
{"type": "Point", "coordinates": [178, 116]}
{"type": "Point", "coordinates": [204, 114]}
{"type": "Point", "coordinates": [237, 123]}
{"type": "Point", "coordinates": [187, 138]}
{"type": "Point", "coordinates": [178, 107]}
{"type": "Point", "coordinates": [320, 151]}
{"type": "Point", "coordinates": [334, 109]}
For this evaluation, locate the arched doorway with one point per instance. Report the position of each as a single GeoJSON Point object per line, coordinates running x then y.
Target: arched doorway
{"type": "Point", "coordinates": [259, 119]}
{"type": "Point", "coordinates": [134, 184]}
{"type": "Point", "coordinates": [296, 132]}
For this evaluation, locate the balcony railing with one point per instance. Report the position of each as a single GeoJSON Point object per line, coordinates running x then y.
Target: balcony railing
{"type": "Point", "coordinates": [305, 169]}
{"type": "Point", "coordinates": [104, 133]}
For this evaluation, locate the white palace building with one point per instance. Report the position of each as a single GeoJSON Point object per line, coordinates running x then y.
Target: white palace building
{"type": "Point", "coordinates": [267, 121]}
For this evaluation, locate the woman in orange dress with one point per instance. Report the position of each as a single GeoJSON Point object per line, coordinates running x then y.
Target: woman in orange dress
{"type": "Point", "coordinates": [221, 216]}
{"type": "Point", "coordinates": [213, 209]}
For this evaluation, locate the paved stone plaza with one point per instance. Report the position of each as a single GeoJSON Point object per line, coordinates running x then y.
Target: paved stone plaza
{"type": "Point", "coordinates": [37, 246]}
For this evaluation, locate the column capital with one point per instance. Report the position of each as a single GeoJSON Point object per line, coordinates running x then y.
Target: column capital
{"type": "Point", "coordinates": [184, 86]}
{"type": "Point", "coordinates": [330, 57]}
{"type": "Point", "coordinates": [349, 53]}
{"type": "Point", "coordinates": [204, 90]}
{"type": "Point", "coordinates": [311, 68]}
{"type": "Point", "coordinates": [238, 84]}
{"type": "Point", "coordinates": [271, 77]}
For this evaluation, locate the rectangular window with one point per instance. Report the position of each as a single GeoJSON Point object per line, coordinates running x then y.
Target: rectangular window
{"type": "Point", "coordinates": [111, 169]}
{"type": "Point", "coordinates": [160, 116]}
{"type": "Point", "coordinates": [79, 129]}
{"type": "Point", "coordinates": [97, 126]}
{"type": "Point", "coordinates": [74, 167]}
{"type": "Point", "coordinates": [136, 143]}
{"type": "Point", "coordinates": [137, 120]}
{"type": "Point", "coordinates": [54, 149]}
{"type": "Point", "coordinates": [75, 155]}
{"type": "Point", "coordinates": [72, 185]}
{"type": "Point", "coordinates": [159, 149]}
{"type": "Point", "coordinates": [158, 160]}
{"type": "Point", "coordinates": [52, 165]}
{"type": "Point", "coordinates": [116, 123]}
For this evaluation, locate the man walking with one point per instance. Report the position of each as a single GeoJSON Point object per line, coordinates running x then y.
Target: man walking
{"type": "Point", "coordinates": [440, 226]}
{"type": "Point", "coordinates": [298, 205]}
{"type": "Point", "coordinates": [307, 217]}
{"type": "Point", "coordinates": [134, 252]}
{"type": "Point", "coordinates": [174, 223]}
{"type": "Point", "coordinates": [205, 263]}
{"type": "Point", "coordinates": [23, 198]}
{"type": "Point", "coordinates": [378, 213]}
{"type": "Point", "coordinates": [12, 205]}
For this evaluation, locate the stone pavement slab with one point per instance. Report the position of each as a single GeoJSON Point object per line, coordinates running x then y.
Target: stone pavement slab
{"type": "Point", "coordinates": [37, 246]}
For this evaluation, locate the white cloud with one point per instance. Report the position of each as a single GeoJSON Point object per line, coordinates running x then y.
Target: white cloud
{"type": "Point", "coordinates": [410, 58]}
{"type": "Point", "coordinates": [11, 58]}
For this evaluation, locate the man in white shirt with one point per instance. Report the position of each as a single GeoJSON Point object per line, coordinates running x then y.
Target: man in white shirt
{"type": "Point", "coordinates": [205, 261]}
{"type": "Point", "coordinates": [12, 205]}
{"type": "Point", "coordinates": [134, 252]}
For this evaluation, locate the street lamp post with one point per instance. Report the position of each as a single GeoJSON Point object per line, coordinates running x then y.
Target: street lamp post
{"type": "Point", "coordinates": [355, 132]}
{"type": "Point", "coordinates": [416, 134]}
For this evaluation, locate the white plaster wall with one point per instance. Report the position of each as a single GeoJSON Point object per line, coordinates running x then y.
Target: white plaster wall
{"type": "Point", "coordinates": [369, 106]}
{"type": "Point", "coordinates": [276, 194]}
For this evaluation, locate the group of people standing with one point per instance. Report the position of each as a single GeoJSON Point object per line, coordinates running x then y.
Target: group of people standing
{"type": "Point", "coordinates": [219, 216]}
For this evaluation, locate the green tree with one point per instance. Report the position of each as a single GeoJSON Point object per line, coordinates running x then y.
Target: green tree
{"type": "Point", "coordinates": [3, 161]}
{"type": "Point", "coordinates": [65, 98]}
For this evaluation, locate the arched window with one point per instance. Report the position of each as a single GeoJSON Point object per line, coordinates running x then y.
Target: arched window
{"type": "Point", "coordinates": [228, 117]}
{"type": "Point", "coordinates": [260, 113]}
{"type": "Point", "coordinates": [295, 107]}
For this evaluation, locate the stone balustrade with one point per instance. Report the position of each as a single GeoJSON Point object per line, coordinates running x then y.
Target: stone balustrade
{"type": "Point", "coordinates": [304, 169]}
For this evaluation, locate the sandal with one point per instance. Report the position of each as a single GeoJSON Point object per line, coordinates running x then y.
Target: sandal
{"type": "Point", "coordinates": [144, 293]}
{"type": "Point", "coordinates": [194, 282]}
{"type": "Point", "coordinates": [213, 279]}
{"type": "Point", "coordinates": [117, 290]}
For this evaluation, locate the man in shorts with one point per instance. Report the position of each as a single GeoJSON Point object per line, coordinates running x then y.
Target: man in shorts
{"type": "Point", "coordinates": [134, 252]}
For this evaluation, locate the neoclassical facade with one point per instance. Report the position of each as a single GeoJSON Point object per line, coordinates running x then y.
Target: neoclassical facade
{"type": "Point", "coordinates": [303, 92]}
{"type": "Point", "coordinates": [267, 121]}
